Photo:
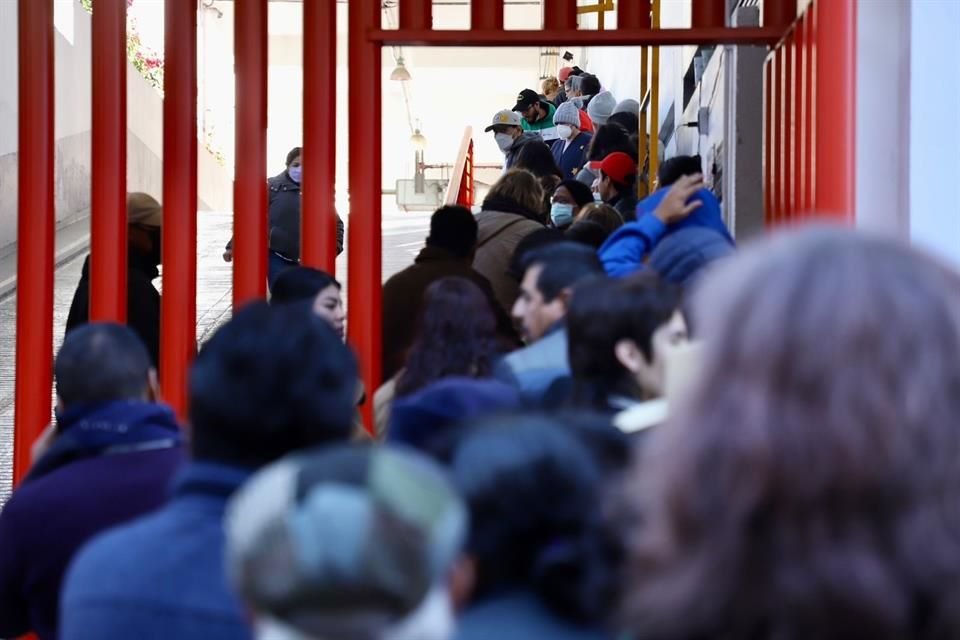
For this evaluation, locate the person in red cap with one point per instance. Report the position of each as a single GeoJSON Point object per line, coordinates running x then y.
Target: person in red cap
{"type": "Point", "coordinates": [617, 183]}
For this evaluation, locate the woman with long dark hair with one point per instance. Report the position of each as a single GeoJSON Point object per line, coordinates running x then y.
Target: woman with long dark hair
{"type": "Point", "coordinates": [809, 485]}
{"type": "Point", "coordinates": [456, 336]}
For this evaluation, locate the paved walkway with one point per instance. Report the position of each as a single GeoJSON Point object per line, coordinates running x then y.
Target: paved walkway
{"type": "Point", "coordinates": [403, 235]}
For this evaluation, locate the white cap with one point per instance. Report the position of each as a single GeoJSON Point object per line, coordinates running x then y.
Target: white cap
{"type": "Point", "coordinates": [505, 118]}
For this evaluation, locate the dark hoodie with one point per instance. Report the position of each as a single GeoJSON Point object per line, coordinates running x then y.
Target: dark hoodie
{"type": "Point", "coordinates": [143, 301]}
{"type": "Point", "coordinates": [109, 463]}
{"type": "Point", "coordinates": [514, 150]}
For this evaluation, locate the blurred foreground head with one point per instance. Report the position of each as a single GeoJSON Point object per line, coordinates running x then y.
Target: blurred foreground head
{"type": "Point", "coordinates": [270, 381]}
{"type": "Point", "coordinates": [808, 487]}
{"type": "Point", "coordinates": [349, 543]}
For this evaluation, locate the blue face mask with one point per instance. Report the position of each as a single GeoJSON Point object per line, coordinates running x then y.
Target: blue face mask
{"type": "Point", "coordinates": [296, 173]}
{"type": "Point", "coordinates": [561, 214]}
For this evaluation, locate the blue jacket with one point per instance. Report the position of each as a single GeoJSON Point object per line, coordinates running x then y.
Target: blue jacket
{"type": "Point", "coordinates": [109, 463]}
{"type": "Point", "coordinates": [625, 250]}
{"type": "Point", "coordinates": [571, 160]}
{"type": "Point", "coordinates": [533, 369]}
{"type": "Point", "coordinates": [162, 576]}
{"type": "Point", "coordinates": [519, 616]}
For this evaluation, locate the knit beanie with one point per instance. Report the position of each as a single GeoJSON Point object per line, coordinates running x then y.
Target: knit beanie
{"type": "Point", "coordinates": [567, 113]}
{"type": "Point", "coordinates": [628, 106]}
{"type": "Point", "coordinates": [601, 107]}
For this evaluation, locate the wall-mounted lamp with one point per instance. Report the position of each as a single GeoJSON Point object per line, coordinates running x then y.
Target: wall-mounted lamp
{"type": "Point", "coordinates": [418, 140]}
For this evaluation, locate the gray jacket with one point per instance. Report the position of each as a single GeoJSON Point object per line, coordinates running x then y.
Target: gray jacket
{"type": "Point", "coordinates": [533, 369]}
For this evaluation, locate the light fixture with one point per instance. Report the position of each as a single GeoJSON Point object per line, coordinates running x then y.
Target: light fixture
{"type": "Point", "coordinates": [400, 73]}
{"type": "Point", "coordinates": [418, 140]}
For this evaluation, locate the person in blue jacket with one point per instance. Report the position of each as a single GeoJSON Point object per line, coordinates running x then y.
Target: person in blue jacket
{"type": "Point", "coordinates": [708, 215]}
{"type": "Point", "coordinates": [570, 150]}
{"type": "Point", "coordinates": [623, 253]}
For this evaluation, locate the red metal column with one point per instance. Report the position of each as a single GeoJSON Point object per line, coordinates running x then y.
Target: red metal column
{"type": "Point", "coordinates": [768, 137]}
{"type": "Point", "coordinates": [250, 175]}
{"type": "Point", "coordinates": [790, 47]}
{"type": "Point", "coordinates": [486, 15]}
{"type": "Point", "coordinates": [365, 242]}
{"type": "Point", "coordinates": [810, 124]}
{"type": "Point", "coordinates": [708, 13]}
{"type": "Point", "coordinates": [178, 337]}
{"type": "Point", "coordinates": [633, 14]}
{"type": "Point", "coordinates": [35, 220]}
{"type": "Point", "coordinates": [779, 13]}
{"type": "Point", "coordinates": [836, 101]}
{"type": "Point", "coordinates": [559, 15]}
{"type": "Point", "coordinates": [319, 217]}
{"type": "Point", "coordinates": [416, 14]}
{"type": "Point", "coordinates": [108, 194]}
{"type": "Point", "coordinates": [783, 145]}
{"type": "Point", "coordinates": [799, 118]}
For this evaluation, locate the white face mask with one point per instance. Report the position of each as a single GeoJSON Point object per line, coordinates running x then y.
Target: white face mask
{"type": "Point", "coordinates": [565, 131]}
{"type": "Point", "coordinates": [561, 214]}
{"type": "Point", "coordinates": [597, 197]}
{"type": "Point", "coordinates": [504, 141]}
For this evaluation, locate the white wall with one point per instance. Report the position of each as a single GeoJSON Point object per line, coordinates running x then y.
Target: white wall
{"type": "Point", "coordinates": [934, 172]}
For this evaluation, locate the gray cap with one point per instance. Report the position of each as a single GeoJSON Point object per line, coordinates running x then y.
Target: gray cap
{"type": "Point", "coordinates": [628, 106]}
{"type": "Point", "coordinates": [601, 107]}
{"type": "Point", "coordinates": [345, 542]}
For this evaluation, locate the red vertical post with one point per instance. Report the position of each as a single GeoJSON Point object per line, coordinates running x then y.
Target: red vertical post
{"type": "Point", "coordinates": [560, 15]}
{"type": "Point", "coordinates": [364, 255]}
{"type": "Point", "coordinates": [108, 193]}
{"type": "Point", "coordinates": [35, 221]}
{"type": "Point", "coordinates": [799, 133]}
{"type": "Point", "coordinates": [486, 15]}
{"type": "Point", "coordinates": [768, 137]}
{"type": "Point", "coordinates": [318, 219]}
{"type": "Point", "coordinates": [836, 109]}
{"type": "Point", "coordinates": [250, 174]}
{"type": "Point", "coordinates": [810, 124]}
{"type": "Point", "coordinates": [633, 14]}
{"type": "Point", "coordinates": [779, 13]}
{"type": "Point", "coordinates": [178, 325]}
{"type": "Point", "coordinates": [416, 14]}
{"type": "Point", "coordinates": [783, 145]}
{"type": "Point", "coordinates": [791, 115]}
{"type": "Point", "coordinates": [709, 13]}
{"type": "Point", "coordinates": [777, 160]}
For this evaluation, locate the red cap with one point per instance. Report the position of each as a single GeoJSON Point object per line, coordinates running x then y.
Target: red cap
{"type": "Point", "coordinates": [616, 166]}
{"type": "Point", "coordinates": [564, 73]}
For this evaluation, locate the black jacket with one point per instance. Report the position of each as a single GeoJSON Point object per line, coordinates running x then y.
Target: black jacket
{"type": "Point", "coordinates": [143, 302]}
{"type": "Point", "coordinates": [284, 207]}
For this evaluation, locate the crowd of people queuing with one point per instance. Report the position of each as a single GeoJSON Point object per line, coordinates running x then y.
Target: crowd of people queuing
{"type": "Point", "coordinates": [598, 419]}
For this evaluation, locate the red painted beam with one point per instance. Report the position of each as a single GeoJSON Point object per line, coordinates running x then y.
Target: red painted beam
{"type": "Point", "coordinates": [708, 13]}
{"type": "Point", "coordinates": [178, 326]}
{"type": "Point", "coordinates": [558, 15]}
{"type": "Point", "coordinates": [486, 15]}
{"type": "Point", "coordinates": [35, 222]}
{"type": "Point", "coordinates": [779, 14]}
{"type": "Point", "coordinates": [108, 193]}
{"type": "Point", "coordinates": [416, 14]}
{"type": "Point", "coordinates": [761, 36]}
{"type": "Point", "coordinates": [836, 108]}
{"type": "Point", "coordinates": [633, 14]}
{"type": "Point", "coordinates": [365, 242]}
{"type": "Point", "coordinates": [318, 221]}
{"type": "Point", "coordinates": [250, 174]}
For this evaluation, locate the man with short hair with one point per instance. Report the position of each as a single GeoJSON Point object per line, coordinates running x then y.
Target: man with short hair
{"type": "Point", "coordinates": [349, 543]}
{"type": "Point", "coordinates": [550, 274]}
{"type": "Point", "coordinates": [272, 380]}
{"type": "Point", "coordinates": [509, 135]}
{"type": "Point", "coordinates": [449, 252]}
{"type": "Point", "coordinates": [537, 114]}
{"type": "Point", "coordinates": [108, 458]}
{"type": "Point", "coordinates": [144, 222]}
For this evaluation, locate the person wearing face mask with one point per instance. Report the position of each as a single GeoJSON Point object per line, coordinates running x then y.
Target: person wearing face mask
{"type": "Point", "coordinates": [144, 220]}
{"type": "Point", "coordinates": [510, 136]}
{"type": "Point", "coordinates": [570, 149]}
{"type": "Point", "coordinates": [566, 202]}
{"type": "Point", "coordinates": [284, 203]}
